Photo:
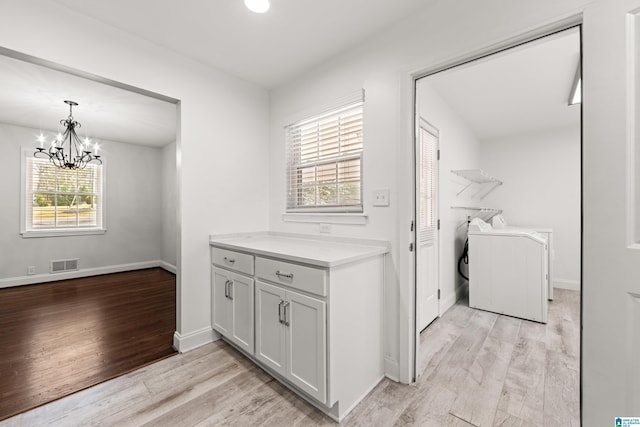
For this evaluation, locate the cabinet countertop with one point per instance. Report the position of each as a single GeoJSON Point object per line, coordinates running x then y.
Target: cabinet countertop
{"type": "Point", "coordinates": [320, 251]}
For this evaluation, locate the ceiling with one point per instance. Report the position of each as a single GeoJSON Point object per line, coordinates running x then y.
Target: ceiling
{"type": "Point", "coordinates": [33, 96]}
{"type": "Point", "coordinates": [521, 90]}
{"type": "Point", "coordinates": [291, 38]}
{"type": "Point", "coordinates": [267, 49]}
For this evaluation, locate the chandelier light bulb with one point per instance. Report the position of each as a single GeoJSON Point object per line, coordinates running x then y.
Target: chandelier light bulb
{"type": "Point", "coordinates": [257, 6]}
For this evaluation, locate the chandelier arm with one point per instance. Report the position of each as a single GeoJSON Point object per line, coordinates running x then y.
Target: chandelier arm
{"type": "Point", "coordinates": [77, 156]}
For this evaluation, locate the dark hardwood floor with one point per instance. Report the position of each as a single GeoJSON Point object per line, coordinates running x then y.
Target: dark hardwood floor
{"type": "Point", "coordinates": [62, 337]}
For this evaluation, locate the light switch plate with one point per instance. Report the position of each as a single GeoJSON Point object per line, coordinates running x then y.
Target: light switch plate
{"type": "Point", "coordinates": [381, 197]}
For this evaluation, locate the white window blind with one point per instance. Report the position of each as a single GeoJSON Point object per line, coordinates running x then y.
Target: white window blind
{"type": "Point", "coordinates": [324, 162]}
{"type": "Point", "coordinates": [427, 169]}
{"type": "Point", "coordinates": [61, 199]}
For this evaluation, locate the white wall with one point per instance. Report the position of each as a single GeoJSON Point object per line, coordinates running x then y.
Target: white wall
{"type": "Point", "coordinates": [169, 205]}
{"type": "Point", "coordinates": [382, 65]}
{"type": "Point", "coordinates": [459, 149]}
{"type": "Point", "coordinates": [133, 216]}
{"type": "Point", "coordinates": [223, 130]}
{"type": "Point", "coordinates": [541, 175]}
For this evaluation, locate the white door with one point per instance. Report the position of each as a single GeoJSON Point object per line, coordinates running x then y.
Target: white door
{"type": "Point", "coordinates": [220, 305]}
{"type": "Point", "coordinates": [242, 311]}
{"type": "Point", "coordinates": [611, 212]}
{"type": "Point", "coordinates": [427, 282]}
{"type": "Point", "coordinates": [305, 319]}
{"type": "Point", "coordinates": [270, 328]}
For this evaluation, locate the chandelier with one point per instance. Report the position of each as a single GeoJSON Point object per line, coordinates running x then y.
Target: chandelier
{"type": "Point", "coordinates": [67, 151]}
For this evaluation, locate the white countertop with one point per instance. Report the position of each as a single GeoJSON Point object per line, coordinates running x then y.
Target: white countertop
{"type": "Point", "coordinates": [307, 249]}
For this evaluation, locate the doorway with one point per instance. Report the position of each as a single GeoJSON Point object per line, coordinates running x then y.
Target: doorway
{"type": "Point", "coordinates": [139, 205]}
{"type": "Point", "coordinates": [507, 117]}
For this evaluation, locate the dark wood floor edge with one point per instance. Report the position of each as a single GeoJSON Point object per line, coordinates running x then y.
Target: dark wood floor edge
{"type": "Point", "coordinates": [90, 385]}
{"type": "Point", "coordinates": [81, 274]}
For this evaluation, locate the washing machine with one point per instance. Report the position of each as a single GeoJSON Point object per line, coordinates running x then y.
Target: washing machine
{"type": "Point", "coordinates": [508, 271]}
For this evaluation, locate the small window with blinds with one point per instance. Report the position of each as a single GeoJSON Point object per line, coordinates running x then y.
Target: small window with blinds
{"type": "Point", "coordinates": [324, 162]}
{"type": "Point", "coordinates": [60, 199]}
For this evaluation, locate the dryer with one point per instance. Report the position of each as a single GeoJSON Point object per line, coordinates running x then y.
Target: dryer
{"type": "Point", "coordinates": [508, 271]}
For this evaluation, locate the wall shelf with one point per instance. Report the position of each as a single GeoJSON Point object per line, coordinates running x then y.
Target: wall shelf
{"type": "Point", "coordinates": [484, 214]}
{"type": "Point", "coordinates": [485, 182]}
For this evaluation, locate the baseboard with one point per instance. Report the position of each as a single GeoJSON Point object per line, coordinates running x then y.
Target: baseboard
{"type": "Point", "coordinates": [169, 267]}
{"type": "Point", "coordinates": [85, 272]}
{"type": "Point", "coordinates": [392, 369]}
{"type": "Point", "coordinates": [572, 285]}
{"type": "Point", "coordinates": [190, 341]}
{"type": "Point", "coordinates": [449, 300]}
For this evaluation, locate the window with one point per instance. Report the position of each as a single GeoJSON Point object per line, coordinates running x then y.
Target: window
{"type": "Point", "coordinates": [60, 201]}
{"type": "Point", "coordinates": [324, 162]}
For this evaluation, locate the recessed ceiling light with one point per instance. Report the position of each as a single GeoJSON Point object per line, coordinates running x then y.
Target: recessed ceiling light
{"type": "Point", "coordinates": [257, 6]}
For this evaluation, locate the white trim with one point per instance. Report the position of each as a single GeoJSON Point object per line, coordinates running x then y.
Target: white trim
{"type": "Point", "coordinates": [101, 215]}
{"type": "Point", "coordinates": [633, 168]}
{"type": "Point", "coordinates": [85, 272]}
{"type": "Point", "coordinates": [550, 28]}
{"type": "Point", "coordinates": [327, 218]}
{"type": "Point", "coordinates": [449, 300]}
{"type": "Point", "coordinates": [572, 285]}
{"type": "Point", "coordinates": [83, 74]}
{"type": "Point", "coordinates": [392, 369]}
{"type": "Point", "coordinates": [169, 267]}
{"type": "Point", "coordinates": [61, 232]}
{"type": "Point", "coordinates": [335, 103]}
{"type": "Point", "coordinates": [195, 339]}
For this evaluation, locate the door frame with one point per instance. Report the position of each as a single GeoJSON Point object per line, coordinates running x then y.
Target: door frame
{"type": "Point", "coordinates": [570, 21]}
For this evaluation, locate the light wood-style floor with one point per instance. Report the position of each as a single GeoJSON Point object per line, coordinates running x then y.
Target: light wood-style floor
{"type": "Point", "coordinates": [479, 369]}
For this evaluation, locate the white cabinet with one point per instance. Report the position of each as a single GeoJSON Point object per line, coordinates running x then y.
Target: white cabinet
{"type": "Point", "coordinates": [313, 307]}
{"type": "Point", "coordinates": [232, 307]}
{"type": "Point", "coordinates": [291, 337]}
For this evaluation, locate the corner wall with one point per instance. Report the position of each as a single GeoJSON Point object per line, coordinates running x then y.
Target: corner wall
{"type": "Point", "coordinates": [541, 175]}
{"type": "Point", "coordinates": [169, 205]}
{"type": "Point", "coordinates": [459, 149]}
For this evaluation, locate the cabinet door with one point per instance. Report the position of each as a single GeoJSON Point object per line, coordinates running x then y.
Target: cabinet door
{"type": "Point", "coordinates": [270, 329]}
{"type": "Point", "coordinates": [306, 344]}
{"type": "Point", "coordinates": [220, 304]}
{"type": "Point", "coordinates": [241, 300]}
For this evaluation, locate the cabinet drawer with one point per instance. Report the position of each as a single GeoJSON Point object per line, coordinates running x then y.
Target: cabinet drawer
{"type": "Point", "coordinates": [232, 260]}
{"type": "Point", "coordinates": [308, 279]}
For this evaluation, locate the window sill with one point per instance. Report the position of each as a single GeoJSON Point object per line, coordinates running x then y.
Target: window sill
{"type": "Point", "coordinates": [327, 218]}
{"type": "Point", "coordinates": [61, 233]}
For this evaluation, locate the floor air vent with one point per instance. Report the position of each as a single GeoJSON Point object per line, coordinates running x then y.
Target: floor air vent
{"type": "Point", "coordinates": [62, 265]}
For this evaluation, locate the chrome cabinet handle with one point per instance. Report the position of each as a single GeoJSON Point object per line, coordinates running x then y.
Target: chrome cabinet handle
{"type": "Point", "coordinates": [229, 260]}
{"type": "Point", "coordinates": [285, 275]}
{"type": "Point", "coordinates": [280, 311]}
{"type": "Point", "coordinates": [228, 289]}
{"type": "Point", "coordinates": [286, 313]}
